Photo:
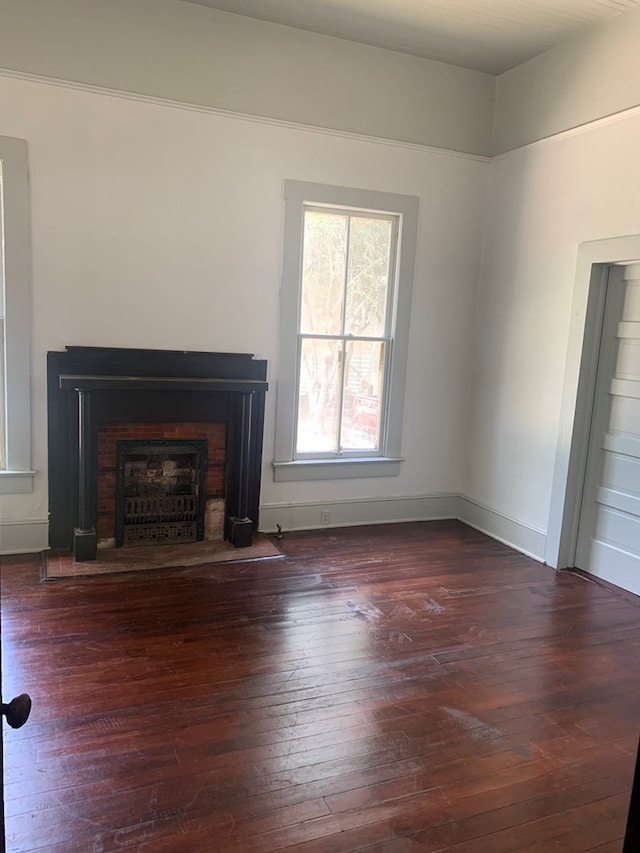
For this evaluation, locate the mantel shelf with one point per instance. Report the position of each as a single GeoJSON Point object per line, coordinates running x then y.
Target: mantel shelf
{"type": "Point", "coordinates": [158, 383]}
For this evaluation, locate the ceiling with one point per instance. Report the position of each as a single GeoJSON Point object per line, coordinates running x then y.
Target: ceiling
{"type": "Point", "coordinates": [486, 35]}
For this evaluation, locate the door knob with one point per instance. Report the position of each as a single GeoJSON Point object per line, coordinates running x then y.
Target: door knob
{"type": "Point", "coordinates": [18, 710]}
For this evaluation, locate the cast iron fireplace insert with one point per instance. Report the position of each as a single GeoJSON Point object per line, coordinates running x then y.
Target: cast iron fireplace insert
{"type": "Point", "coordinates": [160, 491]}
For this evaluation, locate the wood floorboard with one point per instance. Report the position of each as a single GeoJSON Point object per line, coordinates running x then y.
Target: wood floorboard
{"type": "Point", "coordinates": [391, 689]}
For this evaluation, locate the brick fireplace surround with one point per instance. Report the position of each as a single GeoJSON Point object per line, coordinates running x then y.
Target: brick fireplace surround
{"type": "Point", "coordinates": [97, 396]}
{"type": "Point", "coordinates": [214, 434]}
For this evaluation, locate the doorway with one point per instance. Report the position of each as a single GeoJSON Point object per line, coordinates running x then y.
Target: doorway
{"type": "Point", "coordinates": [594, 520]}
{"type": "Point", "coordinates": [608, 543]}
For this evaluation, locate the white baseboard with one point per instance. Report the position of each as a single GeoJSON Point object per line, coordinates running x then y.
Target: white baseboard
{"type": "Point", "coordinates": [24, 535]}
{"type": "Point", "coordinates": [348, 513]}
{"type": "Point", "coordinates": [522, 537]}
{"type": "Point", "coordinates": [31, 535]}
{"type": "Point", "coordinates": [308, 516]}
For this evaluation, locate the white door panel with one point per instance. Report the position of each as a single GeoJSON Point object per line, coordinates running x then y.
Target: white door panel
{"type": "Point", "coordinates": [609, 530]}
{"type": "Point", "coordinates": [621, 472]}
{"type": "Point", "coordinates": [629, 356]}
{"type": "Point", "coordinates": [627, 444]}
{"type": "Point", "coordinates": [626, 388]}
{"type": "Point", "coordinates": [622, 501]}
{"type": "Point", "coordinates": [618, 528]}
{"type": "Point", "coordinates": [631, 305]}
{"type": "Point", "coordinates": [625, 415]}
{"type": "Point", "coordinates": [616, 566]}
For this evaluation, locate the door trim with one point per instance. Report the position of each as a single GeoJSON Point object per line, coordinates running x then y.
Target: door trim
{"type": "Point", "coordinates": [578, 395]}
{"type": "Point", "coordinates": [600, 415]}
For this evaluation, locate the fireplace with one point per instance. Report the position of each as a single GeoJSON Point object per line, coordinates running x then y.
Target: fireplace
{"type": "Point", "coordinates": [153, 446]}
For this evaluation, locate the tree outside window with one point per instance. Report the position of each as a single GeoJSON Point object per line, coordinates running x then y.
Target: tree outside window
{"type": "Point", "coordinates": [344, 334]}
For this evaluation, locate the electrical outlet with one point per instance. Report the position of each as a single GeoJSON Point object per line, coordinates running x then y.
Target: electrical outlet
{"type": "Point", "coordinates": [325, 516]}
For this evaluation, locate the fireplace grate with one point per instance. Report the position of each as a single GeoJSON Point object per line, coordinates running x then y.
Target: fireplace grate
{"type": "Point", "coordinates": [158, 534]}
{"type": "Point", "coordinates": [170, 518]}
{"type": "Point", "coordinates": [157, 510]}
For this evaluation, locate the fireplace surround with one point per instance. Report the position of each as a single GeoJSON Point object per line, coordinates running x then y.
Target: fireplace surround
{"type": "Point", "coordinates": [91, 389]}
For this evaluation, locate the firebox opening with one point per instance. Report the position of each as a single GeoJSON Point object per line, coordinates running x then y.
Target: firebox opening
{"type": "Point", "coordinates": [160, 492]}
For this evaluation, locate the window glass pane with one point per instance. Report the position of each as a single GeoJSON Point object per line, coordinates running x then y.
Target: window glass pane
{"type": "Point", "coordinates": [368, 276]}
{"type": "Point", "coordinates": [320, 367]}
{"type": "Point", "coordinates": [323, 272]}
{"type": "Point", "coordinates": [361, 406]}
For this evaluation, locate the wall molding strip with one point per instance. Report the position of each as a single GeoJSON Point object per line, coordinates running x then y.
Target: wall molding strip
{"type": "Point", "coordinates": [231, 114]}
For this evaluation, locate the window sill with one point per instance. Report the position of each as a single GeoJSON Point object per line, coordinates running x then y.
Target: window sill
{"type": "Point", "coordinates": [335, 469]}
{"type": "Point", "coordinates": [16, 482]}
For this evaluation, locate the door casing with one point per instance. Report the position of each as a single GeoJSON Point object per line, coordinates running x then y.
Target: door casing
{"type": "Point", "coordinates": [578, 395]}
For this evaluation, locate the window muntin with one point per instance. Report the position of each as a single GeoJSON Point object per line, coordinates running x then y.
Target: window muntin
{"type": "Point", "coordinates": [345, 330]}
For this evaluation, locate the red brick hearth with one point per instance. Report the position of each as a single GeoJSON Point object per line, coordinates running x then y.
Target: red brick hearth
{"type": "Point", "coordinates": [213, 433]}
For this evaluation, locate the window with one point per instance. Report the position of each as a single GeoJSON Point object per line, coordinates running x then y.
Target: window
{"type": "Point", "coordinates": [15, 311]}
{"type": "Point", "coordinates": [3, 394]}
{"type": "Point", "coordinates": [345, 305]}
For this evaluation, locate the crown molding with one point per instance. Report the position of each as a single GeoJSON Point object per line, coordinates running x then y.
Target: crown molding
{"type": "Point", "coordinates": [238, 116]}
{"type": "Point", "coordinates": [578, 130]}
{"type": "Point", "coordinates": [604, 121]}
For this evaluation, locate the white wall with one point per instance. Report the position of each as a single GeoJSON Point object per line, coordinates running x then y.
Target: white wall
{"type": "Point", "coordinates": [593, 75]}
{"type": "Point", "coordinates": [544, 200]}
{"type": "Point", "coordinates": [197, 55]}
{"type": "Point", "coordinates": [161, 227]}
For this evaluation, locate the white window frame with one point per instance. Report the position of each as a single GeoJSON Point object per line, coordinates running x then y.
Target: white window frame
{"type": "Point", "coordinates": [387, 460]}
{"type": "Point", "coordinates": [15, 225]}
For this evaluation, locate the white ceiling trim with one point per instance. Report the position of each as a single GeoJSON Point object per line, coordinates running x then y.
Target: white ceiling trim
{"type": "Point", "coordinates": [578, 130]}
{"type": "Point", "coordinates": [630, 112]}
{"type": "Point", "coordinates": [231, 114]}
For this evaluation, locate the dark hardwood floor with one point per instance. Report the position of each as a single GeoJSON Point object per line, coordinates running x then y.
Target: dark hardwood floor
{"type": "Point", "coordinates": [411, 687]}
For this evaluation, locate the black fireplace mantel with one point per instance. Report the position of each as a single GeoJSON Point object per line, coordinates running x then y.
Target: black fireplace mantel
{"type": "Point", "coordinates": [79, 382]}
{"type": "Point", "coordinates": [89, 387]}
